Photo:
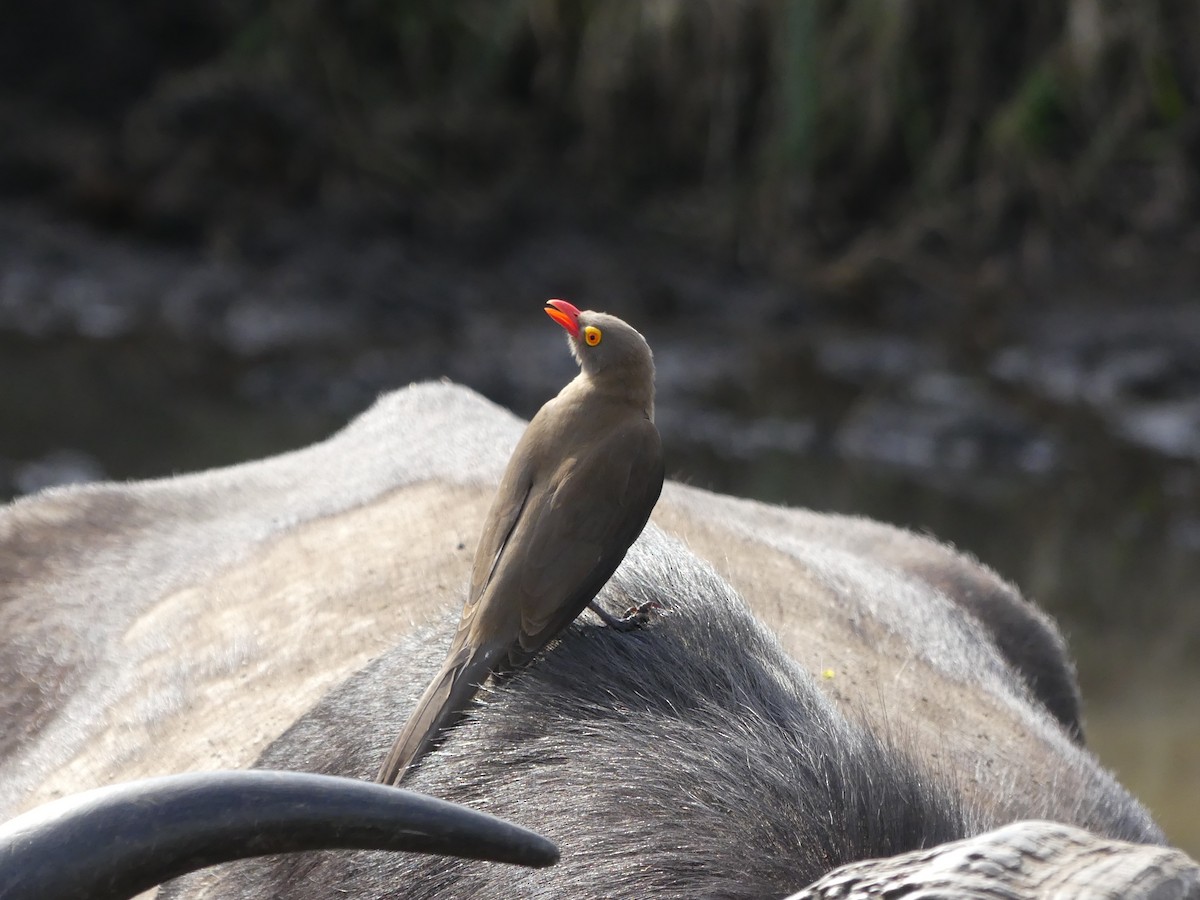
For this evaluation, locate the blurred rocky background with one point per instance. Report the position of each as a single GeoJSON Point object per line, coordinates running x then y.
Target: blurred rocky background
{"type": "Point", "coordinates": [932, 262]}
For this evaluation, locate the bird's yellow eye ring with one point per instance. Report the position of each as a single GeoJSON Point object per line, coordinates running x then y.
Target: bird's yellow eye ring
{"type": "Point", "coordinates": [591, 335]}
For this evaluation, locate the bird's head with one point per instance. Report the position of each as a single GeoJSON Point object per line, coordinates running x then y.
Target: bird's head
{"type": "Point", "coordinates": [605, 347]}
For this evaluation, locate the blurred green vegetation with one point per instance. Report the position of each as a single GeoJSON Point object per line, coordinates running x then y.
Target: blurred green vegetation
{"type": "Point", "coordinates": [781, 124]}
{"type": "Point", "coordinates": [784, 131]}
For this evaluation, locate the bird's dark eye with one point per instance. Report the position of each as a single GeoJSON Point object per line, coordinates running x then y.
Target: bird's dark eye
{"type": "Point", "coordinates": [592, 335]}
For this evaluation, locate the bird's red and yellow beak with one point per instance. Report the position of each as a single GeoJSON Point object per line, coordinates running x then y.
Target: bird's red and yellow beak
{"type": "Point", "coordinates": [565, 314]}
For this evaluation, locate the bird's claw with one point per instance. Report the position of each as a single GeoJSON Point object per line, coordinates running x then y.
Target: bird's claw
{"type": "Point", "coordinates": [637, 616]}
{"type": "Point", "coordinates": [634, 617]}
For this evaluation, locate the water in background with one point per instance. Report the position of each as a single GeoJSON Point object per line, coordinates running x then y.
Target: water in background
{"type": "Point", "coordinates": [1061, 451]}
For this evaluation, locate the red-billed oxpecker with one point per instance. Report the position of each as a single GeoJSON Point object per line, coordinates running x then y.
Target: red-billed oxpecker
{"type": "Point", "coordinates": [576, 494]}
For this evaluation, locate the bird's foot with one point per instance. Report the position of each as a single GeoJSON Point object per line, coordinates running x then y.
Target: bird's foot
{"type": "Point", "coordinates": [634, 617]}
{"type": "Point", "coordinates": [644, 614]}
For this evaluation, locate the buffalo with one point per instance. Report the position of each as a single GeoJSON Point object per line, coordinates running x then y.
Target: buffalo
{"type": "Point", "coordinates": [822, 704]}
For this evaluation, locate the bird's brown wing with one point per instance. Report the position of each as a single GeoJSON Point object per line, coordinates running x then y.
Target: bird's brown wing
{"type": "Point", "coordinates": [554, 547]}
{"type": "Point", "coordinates": [586, 520]}
{"type": "Point", "coordinates": [507, 506]}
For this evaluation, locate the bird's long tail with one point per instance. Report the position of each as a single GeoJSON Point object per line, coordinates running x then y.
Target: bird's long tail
{"type": "Point", "coordinates": [440, 707]}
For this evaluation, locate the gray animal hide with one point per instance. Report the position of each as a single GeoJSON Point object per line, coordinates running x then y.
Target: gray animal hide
{"type": "Point", "coordinates": [821, 690]}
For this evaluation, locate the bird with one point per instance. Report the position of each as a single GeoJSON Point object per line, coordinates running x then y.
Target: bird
{"type": "Point", "coordinates": [577, 491]}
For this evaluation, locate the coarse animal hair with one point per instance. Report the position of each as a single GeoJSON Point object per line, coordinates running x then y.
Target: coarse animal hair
{"type": "Point", "coordinates": [692, 757]}
{"type": "Point", "coordinates": [824, 688]}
